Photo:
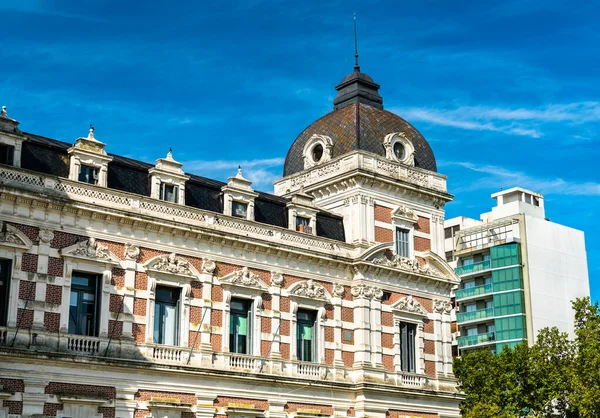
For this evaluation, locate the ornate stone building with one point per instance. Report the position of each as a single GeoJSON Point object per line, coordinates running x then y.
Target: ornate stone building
{"type": "Point", "coordinates": [136, 290]}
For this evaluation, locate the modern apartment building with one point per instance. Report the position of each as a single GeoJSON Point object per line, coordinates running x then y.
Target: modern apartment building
{"type": "Point", "coordinates": [519, 272]}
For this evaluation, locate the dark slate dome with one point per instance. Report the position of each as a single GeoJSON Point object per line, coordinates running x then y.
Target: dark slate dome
{"type": "Point", "coordinates": [358, 122]}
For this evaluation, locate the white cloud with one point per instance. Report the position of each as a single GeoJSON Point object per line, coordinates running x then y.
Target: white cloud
{"type": "Point", "coordinates": [496, 177]}
{"type": "Point", "coordinates": [262, 172]}
{"type": "Point", "coordinates": [519, 121]}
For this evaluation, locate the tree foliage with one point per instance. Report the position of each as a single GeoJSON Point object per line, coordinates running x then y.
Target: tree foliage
{"type": "Point", "coordinates": [555, 377]}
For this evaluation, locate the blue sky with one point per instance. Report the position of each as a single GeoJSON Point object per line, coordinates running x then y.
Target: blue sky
{"type": "Point", "coordinates": [507, 93]}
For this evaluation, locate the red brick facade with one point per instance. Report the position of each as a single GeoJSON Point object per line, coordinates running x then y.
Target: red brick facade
{"type": "Point", "coordinates": [383, 234]}
{"type": "Point", "coordinates": [383, 214]}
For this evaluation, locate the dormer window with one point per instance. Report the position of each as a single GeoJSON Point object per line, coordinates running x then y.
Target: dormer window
{"type": "Point", "coordinates": [303, 224]}
{"type": "Point", "coordinates": [7, 154]}
{"type": "Point", "coordinates": [239, 209]}
{"type": "Point", "coordinates": [238, 197]}
{"type": "Point", "coordinates": [169, 192]}
{"type": "Point", "coordinates": [399, 148]}
{"type": "Point", "coordinates": [88, 174]}
{"type": "Point", "coordinates": [89, 161]}
{"type": "Point", "coordinates": [167, 180]}
{"type": "Point", "coordinates": [317, 150]}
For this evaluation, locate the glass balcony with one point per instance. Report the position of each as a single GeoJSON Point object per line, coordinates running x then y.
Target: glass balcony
{"type": "Point", "coordinates": [470, 340]}
{"type": "Point", "coordinates": [472, 316]}
{"type": "Point", "coordinates": [473, 268]}
{"type": "Point", "coordinates": [473, 291]}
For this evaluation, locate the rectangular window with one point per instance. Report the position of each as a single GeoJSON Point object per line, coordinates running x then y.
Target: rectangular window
{"type": "Point", "coordinates": [7, 153]}
{"type": "Point", "coordinates": [469, 285]}
{"type": "Point", "coordinates": [240, 326]}
{"type": "Point", "coordinates": [4, 290]}
{"type": "Point", "coordinates": [169, 192]}
{"type": "Point", "coordinates": [449, 256]}
{"type": "Point", "coordinates": [402, 244]}
{"type": "Point", "coordinates": [471, 308]}
{"type": "Point", "coordinates": [302, 224]}
{"type": "Point", "coordinates": [305, 335]}
{"type": "Point", "coordinates": [239, 209]}
{"type": "Point", "coordinates": [166, 315]}
{"type": "Point", "coordinates": [84, 305]}
{"type": "Point", "coordinates": [447, 233]}
{"type": "Point", "coordinates": [408, 338]}
{"type": "Point", "coordinates": [88, 174]}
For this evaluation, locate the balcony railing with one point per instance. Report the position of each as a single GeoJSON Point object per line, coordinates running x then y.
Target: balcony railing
{"type": "Point", "coordinates": [473, 268]}
{"type": "Point", "coordinates": [475, 315]}
{"type": "Point", "coordinates": [473, 291]}
{"type": "Point", "coordinates": [470, 340]}
{"type": "Point", "coordinates": [99, 349]}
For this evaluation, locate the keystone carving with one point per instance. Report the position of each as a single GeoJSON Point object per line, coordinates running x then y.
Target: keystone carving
{"type": "Point", "coordinates": [208, 266]}
{"type": "Point", "coordinates": [132, 252]}
{"type": "Point", "coordinates": [244, 277]}
{"type": "Point", "coordinates": [46, 236]}
{"type": "Point", "coordinates": [442, 306]}
{"type": "Point", "coordinates": [276, 278]}
{"type": "Point", "coordinates": [338, 290]}
{"type": "Point", "coordinates": [363, 291]}
{"type": "Point", "coordinates": [173, 264]}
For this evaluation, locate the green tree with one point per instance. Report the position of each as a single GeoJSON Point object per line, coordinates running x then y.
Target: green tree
{"type": "Point", "coordinates": [585, 393]}
{"type": "Point", "coordinates": [555, 377]}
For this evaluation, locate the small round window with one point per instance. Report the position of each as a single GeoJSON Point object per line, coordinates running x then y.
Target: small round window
{"type": "Point", "coordinates": [399, 150]}
{"type": "Point", "coordinates": [317, 153]}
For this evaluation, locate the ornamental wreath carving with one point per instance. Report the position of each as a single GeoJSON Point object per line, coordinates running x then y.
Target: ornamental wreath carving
{"type": "Point", "coordinates": [309, 289]}
{"type": "Point", "coordinates": [408, 264]}
{"type": "Point", "coordinates": [363, 291]}
{"type": "Point", "coordinates": [408, 304]}
{"type": "Point", "coordinates": [92, 249]}
{"type": "Point", "coordinates": [173, 264]}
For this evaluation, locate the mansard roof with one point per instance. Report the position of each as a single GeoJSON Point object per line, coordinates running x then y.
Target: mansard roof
{"type": "Point", "coordinates": [49, 156]}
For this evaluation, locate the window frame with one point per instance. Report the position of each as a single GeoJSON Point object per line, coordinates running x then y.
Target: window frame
{"type": "Point", "coordinates": [97, 292]}
{"type": "Point", "coordinates": [315, 335]}
{"type": "Point", "coordinates": [403, 245]}
{"type": "Point", "coordinates": [94, 170]}
{"type": "Point", "coordinates": [163, 192]}
{"type": "Point", "coordinates": [408, 354]}
{"type": "Point", "coordinates": [4, 301]}
{"type": "Point", "coordinates": [233, 313]}
{"type": "Point", "coordinates": [10, 154]}
{"type": "Point", "coordinates": [161, 302]}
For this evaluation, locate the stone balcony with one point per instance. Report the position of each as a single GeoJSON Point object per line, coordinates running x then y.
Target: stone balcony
{"type": "Point", "coordinates": [104, 350]}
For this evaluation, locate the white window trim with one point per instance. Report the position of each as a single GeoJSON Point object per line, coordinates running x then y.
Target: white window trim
{"type": "Point", "coordinates": [411, 236]}
{"type": "Point", "coordinates": [16, 142]}
{"type": "Point", "coordinates": [409, 310]}
{"type": "Point", "coordinates": [255, 319]}
{"type": "Point", "coordinates": [319, 307]}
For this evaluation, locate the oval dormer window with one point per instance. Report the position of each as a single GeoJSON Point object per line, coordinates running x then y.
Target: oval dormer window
{"type": "Point", "coordinates": [317, 153]}
{"type": "Point", "coordinates": [399, 150]}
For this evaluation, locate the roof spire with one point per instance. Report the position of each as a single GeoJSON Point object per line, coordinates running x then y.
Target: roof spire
{"type": "Point", "coordinates": [356, 66]}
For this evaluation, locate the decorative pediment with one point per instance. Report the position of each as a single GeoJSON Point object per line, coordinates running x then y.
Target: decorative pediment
{"type": "Point", "coordinates": [172, 264]}
{"type": "Point", "coordinates": [309, 289]}
{"type": "Point", "coordinates": [12, 237]}
{"type": "Point", "coordinates": [390, 259]}
{"type": "Point", "coordinates": [244, 278]}
{"type": "Point", "coordinates": [91, 250]}
{"type": "Point", "coordinates": [405, 214]}
{"type": "Point", "coordinates": [409, 305]}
